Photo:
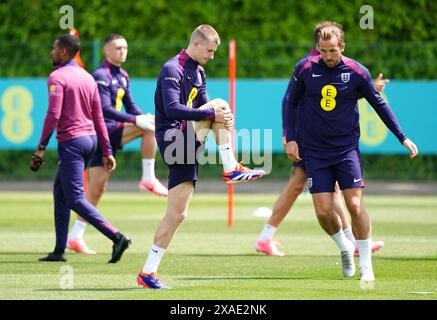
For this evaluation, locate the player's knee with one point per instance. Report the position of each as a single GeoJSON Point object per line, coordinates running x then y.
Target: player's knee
{"type": "Point", "coordinates": [355, 209]}
{"type": "Point", "coordinates": [76, 203]}
{"type": "Point", "coordinates": [179, 216]}
{"type": "Point", "coordinates": [296, 189]}
{"type": "Point", "coordinates": [324, 212]}
{"type": "Point", "coordinates": [183, 215]}
{"type": "Point", "coordinates": [57, 192]}
{"type": "Point", "coordinates": [99, 189]}
{"type": "Point", "coordinates": [221, 102]}
{"type": "Point", "coordinates": [354, 206]}
{"type": "Point", "coordinates": [97, 186]}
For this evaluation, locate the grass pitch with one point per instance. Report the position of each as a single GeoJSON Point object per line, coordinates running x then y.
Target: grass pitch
{"type": "Point", "coordinates": [208, 260]}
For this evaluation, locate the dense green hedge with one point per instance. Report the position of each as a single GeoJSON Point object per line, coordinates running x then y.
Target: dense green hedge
{"type": "Point", "coordinates": [15, 167]}
{"type": "Point", "coordinates": [272, 35]}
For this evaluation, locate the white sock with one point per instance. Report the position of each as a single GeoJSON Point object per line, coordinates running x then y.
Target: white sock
{"type": "Point", "coordinates": [365, 250]}
{"type": "Point", "coordinates": [153, 260]}
{"type": "Point", "coordinates": [227, 156]}
{"type": "Point", "coordinates": [342, 242]}
{"type": "Point", "coordinates": [267, 233]}
{"type": "Point", "coordinates": [148, 170]}
{"type": "Point", "coordinates": [348, 233]}
{"type": "Point", "coordinates": [78, 230]}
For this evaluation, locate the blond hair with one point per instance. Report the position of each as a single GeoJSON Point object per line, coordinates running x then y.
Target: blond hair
{"type": "Point", "coordinates": [327, 29]}
{"type": "Point", "coordinates": [203, 33]}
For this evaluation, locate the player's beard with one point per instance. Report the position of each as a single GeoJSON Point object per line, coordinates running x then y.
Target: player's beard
{"type": "Point", "coordinates": [55, 62]}
{"type": "Point", "coordinates": [332, 63]}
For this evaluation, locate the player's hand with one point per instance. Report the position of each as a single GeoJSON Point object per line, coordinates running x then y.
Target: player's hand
{"type": "Point", "coordinates": [292, 151]}
{"type": "Point", "coordinates": [145, 122]}
{"type": "Point", "coordinates": [284, 143]}
{"type": "Point", "coordinates": [410, 146]}
{"type": "Point", "coordinates": [223, 115]}
{"type": "Point", "coordinates": [380, 83]}
{"type": "Point", "coordinates": [37, 160]}
{"type": "Point", "coordinates": [109, 163]}
{"type": "Point", "coordinates": [229, 125]}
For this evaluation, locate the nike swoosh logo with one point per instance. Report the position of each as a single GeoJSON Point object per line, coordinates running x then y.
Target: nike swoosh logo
{"type": "Point", "coordinates": [156, 251]}
{"type": "Point", "coordinates": [316, 75]}
{"type": "Point", "coordinates": [189, 78]}
{"type": "Point", "coordinates": [356, 180]}
{"type": "Point", "coordinates": [295, 79]}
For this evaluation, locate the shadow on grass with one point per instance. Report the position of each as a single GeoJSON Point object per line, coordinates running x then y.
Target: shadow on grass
{"type": "Point", "coordinates": [18, 262]}
{"type": "Point", "coordinates": [256, 255]}
{"type": "Point", "coordinates": [21, 253]}
{"type": "Point", "coordinates": [10, 254]}
{"type": "Point", "coordinates": [242, 278]}
{"type": "Point", "coordinates": [92, 290]}
{"type": "Point", "coordinates": [32, 257]}
{"type": "Point", "coordinates": [230, 255]}
{"type": "Point", "coordinates": [408, 258]}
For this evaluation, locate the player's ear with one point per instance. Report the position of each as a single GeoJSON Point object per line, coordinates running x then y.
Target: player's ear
{"type": "Point", "coordinates": [196, 44]}
{"type": "Point", "coordinates": [106, 49]}
{"type": "Point", "coordinates": [342, 47]}
{"type": "Point", "coordinates": [64, 52]}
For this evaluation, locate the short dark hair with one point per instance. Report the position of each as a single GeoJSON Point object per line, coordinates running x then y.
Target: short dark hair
{"type": "Point", "coordinates": [113, 36]}
{"type": "Point", "coordinates": [69, 43]}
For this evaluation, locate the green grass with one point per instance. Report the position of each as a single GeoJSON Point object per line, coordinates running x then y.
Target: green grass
{"type": "Point", "coordinates": [208, 260]}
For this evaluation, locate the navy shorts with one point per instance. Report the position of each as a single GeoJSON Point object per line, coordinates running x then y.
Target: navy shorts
{"type": "Point", "coordinates": [345, 168]}
{"type": "Point", "coordinates": [179, 152]}
{"type": "Point", "coordinates": [300, 164]}
{"type": "Point", "coordinates": [115, 139]}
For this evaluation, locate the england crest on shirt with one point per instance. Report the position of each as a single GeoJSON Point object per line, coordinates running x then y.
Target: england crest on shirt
{"type": "Point", "coordinates": [345, 77]}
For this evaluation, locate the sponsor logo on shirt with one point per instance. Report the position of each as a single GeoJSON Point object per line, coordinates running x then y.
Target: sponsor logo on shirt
{"type": "Point", "coordinates": [119, 100]}
{"type": "Point", "coordinates": [52, 89]}
{"type": "Point", "coordinates": [191, 97]}
{"type": "Point", "coordinates": [328, 102]}
{"type": "Point", "coordinates": [114, 81]}
{"type": "Point", "coordinates": [172, 79]}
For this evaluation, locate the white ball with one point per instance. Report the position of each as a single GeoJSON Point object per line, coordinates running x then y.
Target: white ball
{"type": "Point", "coordinates": [262, 212]}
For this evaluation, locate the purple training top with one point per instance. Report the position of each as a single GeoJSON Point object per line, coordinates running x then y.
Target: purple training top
{"type": "Point", "coordinates": [114, 88]}
{"type": "Point", "coordinates": [74, 107]}
{"type": "Point", "coordinates": [286, 97]}
{"type": "Point", "coordinates": [328, 110]}
{"type": "Point", "coordinates": [180, 91]}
